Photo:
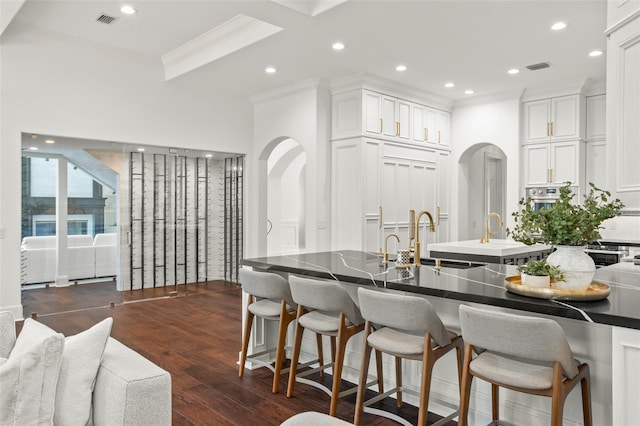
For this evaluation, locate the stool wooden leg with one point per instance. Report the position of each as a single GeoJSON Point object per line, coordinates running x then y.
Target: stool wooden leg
{"type": "Point", "coordinates": [320, 352]}
{"type": "Point", "coordinates": [495, 402]}
{"type": "Point", "coordinates": [343, 336]}
{"type": "Point", "coordinates": [379, 370]}
{"type": "Point", "coordinates": [245, 339]}
{"type": "Point", "coordinates": [465, 387]}
{"type": "Point", "coordinates": [399, 381]}
{"type": "Point", "coordinates": [428, 360]}
{"type": "Point", "coordinates": [364, 370]}
{"type": "Point", "coordinates": [296, 353]}
{"type": "Point", "coordinates": [586, 397]}
{"type": "Point", "coordinates": [285, 319]}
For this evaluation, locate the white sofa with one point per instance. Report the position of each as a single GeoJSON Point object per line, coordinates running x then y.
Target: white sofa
{"type": "Point", "coordinates": [87, 257]}
{"type": "Point", "coordinates": [129, 389]}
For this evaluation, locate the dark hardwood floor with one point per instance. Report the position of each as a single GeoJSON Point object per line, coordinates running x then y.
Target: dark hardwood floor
{"type": "Point", "coordinates": [195, 335]}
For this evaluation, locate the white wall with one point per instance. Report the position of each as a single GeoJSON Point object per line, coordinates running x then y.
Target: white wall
{"type": "Point", "coordinates": [300, 112]}
{"type": "Point", "coordinates": [58, 85]}
{"type": "Point", "coordinates": [496, 122]}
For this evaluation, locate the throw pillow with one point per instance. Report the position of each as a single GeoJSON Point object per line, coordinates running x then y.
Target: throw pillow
{"type": "Point", "coordinates": [80, 363]}
{"type": "Point", "coordinates": [29, 376]}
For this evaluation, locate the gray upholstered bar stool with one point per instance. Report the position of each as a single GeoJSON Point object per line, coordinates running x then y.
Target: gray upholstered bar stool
{"type": "Point", "coordinates": [269, 298]}
{"type": "Point", "coordinates": [524, 354]}
{"type": "Point", "coordinates": [405, 327]}
{"type": "Point", "coordinates": [325, 308]}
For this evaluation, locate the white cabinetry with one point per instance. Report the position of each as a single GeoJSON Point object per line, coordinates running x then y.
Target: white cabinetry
{"type": "Point", "coordinates": [554, 119]}
{"type": "Point", "coordinates": [625, 376]}
{"type": "Point", "coordinates": [623, 101]}
{"type": "Point", "coordinates": [596, 156]}
{"type": "Point", "coordinates": [430, 125]}
{"type": "Point", "coordinates": [553, 163]}
{"type": "Point", "coordinates": [386, 116]}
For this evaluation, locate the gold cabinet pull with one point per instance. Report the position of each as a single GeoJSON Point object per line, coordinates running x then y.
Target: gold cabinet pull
{"type": "Point", "coordinates": [551, 129]}
{"type": "Point", "coordinates": [438, 215]}
{"type": "Point", "coordinates": [381, 125]}
{"type": "Point", "coordinates": [379, 217]}
{"type": "Point", "coordinates": [397, 128]}
{"type": "Point", "coordinates": [426, 133]}
{"type": "Point", "coordinates": [550, 175]}
{"type": "Point", "coordinates": [439, 133]}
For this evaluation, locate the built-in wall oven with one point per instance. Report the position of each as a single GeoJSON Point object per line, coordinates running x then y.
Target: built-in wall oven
{"type": "Point", "coordinates": [543, 197]}
{"type": "Point", "coordinates": [605, 254]}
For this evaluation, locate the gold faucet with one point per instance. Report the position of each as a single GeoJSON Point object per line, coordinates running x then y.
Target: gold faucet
{"type": "Point", "coordinates": [386, 240]}
{"type": "Point", "coordinates": [432, 228]}
{"type": "Point", "coordinates": [487, 233]}
{"type": "Point", "coordinates": [412, 228]}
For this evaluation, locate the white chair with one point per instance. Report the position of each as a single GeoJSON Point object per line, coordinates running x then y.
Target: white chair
{"type": "Point", "coordinates": [525, 354]}
{"type": "Point", "coordinates": [105, 250]}
{"type": "Point", "coordinates": [81, 261]}
{"type": "Point", "coordinates": [326, 309]}
{"type": "Point", "coordinates": [269, 298]}
{"type": "Point", "coordinates": [406, 327]}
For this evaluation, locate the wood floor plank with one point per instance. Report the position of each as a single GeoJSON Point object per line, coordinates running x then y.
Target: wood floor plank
{"type": "Point", "coordinates": [196, 337]}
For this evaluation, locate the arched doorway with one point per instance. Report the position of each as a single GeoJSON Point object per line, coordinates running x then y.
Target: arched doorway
{"type": "Point", "coordinates": [482, 186]}
{"type": "Point", "coordinates": [286, 197]}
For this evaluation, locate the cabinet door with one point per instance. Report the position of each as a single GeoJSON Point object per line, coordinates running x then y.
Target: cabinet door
{"type": "Point", "coordinates": [404, 120]}
{"type": "Point", "coordinates": [442, 198]}
{"type": "Point", "coordinates": [536, 119]}
{"type": "Point", "coordinates": [596, 118]}
{"type": "Point", "coordinates": [564, 162]}
{"type": "Point", "coordinates": [395, 191]}
{"type": "Point", "coordinates": [418, 125]}
{"type": "Point", "coordinates": [430, 125]}
{"type": "Point", "coordinates": [423, 197]}
{"type": "Point", "coordinates": [372, 112]}
{"type": "Point", "coordinates": [597, 164]}
{"type": "Point", "coordinates": [565, 119]}
{"type": "Point", "coordinates": [536, 164]}
{"type": "Point", "coordinates": [389, 116]}
{"type": "Point", "coordinates": [443, 123]}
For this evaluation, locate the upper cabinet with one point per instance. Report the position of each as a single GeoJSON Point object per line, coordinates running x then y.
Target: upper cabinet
{"type": "Point", "coordinates": [554, 119]}
{"type": "Point", "coordinates": [596, 117]}
{"type": "Point", "coordinates": [373, 114]}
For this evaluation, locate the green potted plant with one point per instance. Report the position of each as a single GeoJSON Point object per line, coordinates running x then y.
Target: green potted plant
{"type": "Point", "coordinates": [539, 273]}
{"type": "Point", "coordinates": [568, 227]}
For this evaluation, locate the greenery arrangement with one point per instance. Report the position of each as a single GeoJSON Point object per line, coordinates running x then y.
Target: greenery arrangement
{"type": "Point", "coordinates": [564, 222]}
{"type": "Point", "coordinates": [540, 268]}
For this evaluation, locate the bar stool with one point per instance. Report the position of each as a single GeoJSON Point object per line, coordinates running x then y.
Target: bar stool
{"type": "Point", "coordinates": [524, 354]}
{"type": "Point", "coordinates": [325, 308]}
{"type": "Point", "coordinates": [269, 298]}
{"type": "Point", "coordinates": [405, 327]}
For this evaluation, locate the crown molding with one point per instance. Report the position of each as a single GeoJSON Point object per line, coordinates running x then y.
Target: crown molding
{"type": "Point", "coordinates": [281, 92]}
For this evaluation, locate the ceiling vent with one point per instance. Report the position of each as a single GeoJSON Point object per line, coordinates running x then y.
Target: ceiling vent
{"type": "Point", "coordinates": [540, 66]}
{"type": "Point", "coordinates": [106, 19]}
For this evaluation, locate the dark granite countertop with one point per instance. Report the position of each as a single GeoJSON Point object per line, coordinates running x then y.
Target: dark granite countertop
{"type": "Point", "coordinates": [479, 284]}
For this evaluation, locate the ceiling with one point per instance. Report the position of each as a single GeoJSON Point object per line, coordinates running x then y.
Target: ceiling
{"type": "Point", "coordinates": [471, 43]}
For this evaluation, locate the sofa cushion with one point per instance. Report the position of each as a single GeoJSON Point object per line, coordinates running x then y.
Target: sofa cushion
{"type": "Point", "coordinates": [29, 376]}
{"type": "Point", "coordinates": [80, 362]}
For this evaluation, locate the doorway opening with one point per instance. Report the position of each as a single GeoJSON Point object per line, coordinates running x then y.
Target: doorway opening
{"type": "Point", "coordinates": [286, 197]}
{"type": "Point", "coordinates": [482, 189]}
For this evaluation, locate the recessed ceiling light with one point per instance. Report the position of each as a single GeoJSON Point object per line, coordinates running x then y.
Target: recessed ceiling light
{"type": "Point", "coordinates": [337, 46]}
{"type": "Point", "coordinates": [559, 26]}
{"type": "Point", "coordinates": [49, 141]}
{"type": "Point", "coordinates": [401, 68]}
{"type": "Point", "coordinates": [469, 92]}
{"type": "Point", "coordinates": [513, 71]}
{"type": "Point", "coordinates": [128, 10]}
{"type": "Point", "coordinates": [141, 149]}
{"type": "Point", "coordinates": [270, 70]}
{"type": "Point", "coordinates": [33, 148]}
{"type": "Point", "coordinates": [449, 85]}
{"type": "Point", "coordinates": [208, 155]}
{"type": "Point", "coordinates": [595, 53]}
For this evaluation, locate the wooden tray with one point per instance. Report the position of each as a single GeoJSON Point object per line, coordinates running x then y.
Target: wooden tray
{"type": "Point", "coordinates": [596, 291]}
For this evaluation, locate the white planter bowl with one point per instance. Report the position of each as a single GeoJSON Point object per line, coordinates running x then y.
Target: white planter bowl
{"type": "Point", "coordinates": [535, 280]}
{"type": "Point", "coordinates": [577, 267]}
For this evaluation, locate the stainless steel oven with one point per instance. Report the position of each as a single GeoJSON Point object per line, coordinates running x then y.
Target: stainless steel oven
{"type": "Point", "coordinates": [605, 254]}
{"type": "Point", "coordinates": [543, 197]}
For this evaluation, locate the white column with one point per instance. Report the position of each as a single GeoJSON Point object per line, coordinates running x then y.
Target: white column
{"type": "Point", "coordinates": [62, 277]}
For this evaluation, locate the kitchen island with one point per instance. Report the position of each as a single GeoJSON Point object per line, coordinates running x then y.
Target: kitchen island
{"type": "Point", "coordinates": [603, 333]}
